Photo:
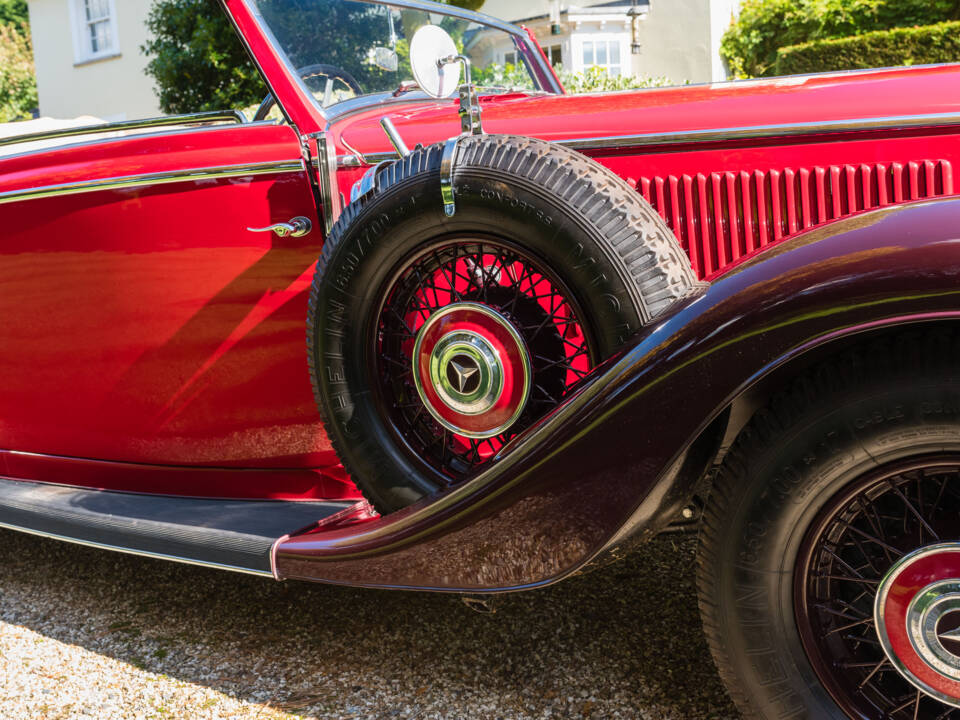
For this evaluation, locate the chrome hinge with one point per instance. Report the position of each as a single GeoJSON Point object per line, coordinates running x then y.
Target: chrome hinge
{"type": "Point", "coordinates": [330, 200]}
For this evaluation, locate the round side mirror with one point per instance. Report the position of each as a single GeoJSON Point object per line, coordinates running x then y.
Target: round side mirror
{"type": "Point", "coordinates": [430, 45]}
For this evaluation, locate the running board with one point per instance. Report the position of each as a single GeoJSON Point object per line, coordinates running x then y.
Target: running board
{"type": "Point", "coordinates": [229, 534]}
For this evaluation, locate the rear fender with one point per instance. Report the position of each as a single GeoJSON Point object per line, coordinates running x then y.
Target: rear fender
{"type": "Point", "coordinates": [615, 459]}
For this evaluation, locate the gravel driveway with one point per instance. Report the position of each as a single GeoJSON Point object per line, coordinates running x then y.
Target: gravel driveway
{"type": "Point", "coordinates": [92, 634]}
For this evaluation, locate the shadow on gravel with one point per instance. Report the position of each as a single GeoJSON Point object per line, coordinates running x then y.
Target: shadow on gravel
{"type": "Point", "coordinates": [621, 642]}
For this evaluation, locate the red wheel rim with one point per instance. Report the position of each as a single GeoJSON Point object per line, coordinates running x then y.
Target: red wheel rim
{"type": "Point", "coordinates": [514, 286]}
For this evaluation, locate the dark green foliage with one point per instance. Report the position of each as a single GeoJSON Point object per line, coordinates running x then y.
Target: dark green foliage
{"type": "Point", "coordinates": [18, 86]}
{"type": "Point", "coordinates": [884, 48]}
{"type": "Point", "coordinates": [13, 12]}
{"type": "Point", "coordinates": [764, 26]}
{"type": "Point", "coordinates": [199, 64]}
{"type": "Point", "coordinates": [197, 60]}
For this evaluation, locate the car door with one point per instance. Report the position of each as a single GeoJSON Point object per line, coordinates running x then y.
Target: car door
{"type": "Point", "coordinates": [141, 319]}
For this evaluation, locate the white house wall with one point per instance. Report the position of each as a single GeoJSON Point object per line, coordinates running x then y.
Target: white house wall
{"type": "Point", "coordinates": [113, 88]}
{"type": "Point", "coordinates": [675, 41]}
{"type": "Point", "coordinates": [679, 39]}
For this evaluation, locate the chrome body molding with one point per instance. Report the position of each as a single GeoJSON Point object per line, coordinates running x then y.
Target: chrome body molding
{"type": "Point", "coordinates": [899, 122]}
{"type": "Point", "coordinates": [234, 116]}
{"type": "Point", "coordinates": [141, 553]}
{"type": "Point", "coordinates": [131, 181]}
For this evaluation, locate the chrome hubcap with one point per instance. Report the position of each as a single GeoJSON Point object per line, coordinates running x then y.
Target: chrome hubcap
{"type": "Point", "coordinates": [471, 369]}
{"type": "Point", "coordinates": [465, 370]}
{"type": "Point", "coordinates": [917, 616]}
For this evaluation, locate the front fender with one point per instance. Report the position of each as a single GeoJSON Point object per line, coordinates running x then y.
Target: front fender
{"type": "Point", "coordinates": [605, 464]}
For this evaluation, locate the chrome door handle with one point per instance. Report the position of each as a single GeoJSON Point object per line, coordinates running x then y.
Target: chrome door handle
{"type": "Point", "coordinates": [297, 227]}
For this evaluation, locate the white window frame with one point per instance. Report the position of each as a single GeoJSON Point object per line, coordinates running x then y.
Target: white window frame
{"type": "Point", "coordinates": [621, 39]}
{"type": "Point", "coordinates": [548, 51]}
{"type": "Point", "coordinates": [82, 52]}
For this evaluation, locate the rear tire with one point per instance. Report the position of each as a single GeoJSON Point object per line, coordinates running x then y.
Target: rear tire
{"type": "Point", "coordinates": [523, 206]}
{"type": "Point", "coordinates": [892, 405]}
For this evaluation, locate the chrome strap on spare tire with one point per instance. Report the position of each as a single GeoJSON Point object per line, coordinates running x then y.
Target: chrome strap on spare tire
{"type": "Point", "coordinates": [446, 175]}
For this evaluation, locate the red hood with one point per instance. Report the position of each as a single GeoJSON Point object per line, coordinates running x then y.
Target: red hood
{"type": "Point", "coordinates": [775, 101]}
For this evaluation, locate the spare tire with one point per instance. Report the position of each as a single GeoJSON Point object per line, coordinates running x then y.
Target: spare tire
{"type": "Point", "coordinates": [433, 340]}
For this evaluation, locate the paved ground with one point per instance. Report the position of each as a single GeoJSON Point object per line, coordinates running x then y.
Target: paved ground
{"type": "Point", "coordinates": [90, 634]}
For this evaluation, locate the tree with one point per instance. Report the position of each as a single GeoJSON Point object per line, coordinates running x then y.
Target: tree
{"type": "Point", "coordinates": [199, 64]}
{"type": "Point", "coordinates": [197, 61]}
{"type": "Point", "coordinates": [764, 26]}
{"type": "Point", "coordinates": [13, 12]}
{"type": "Point", "coordinates": [18, 85]}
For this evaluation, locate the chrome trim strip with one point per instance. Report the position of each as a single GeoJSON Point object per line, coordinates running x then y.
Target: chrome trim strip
{"type": "Point", "coordinates": [163, 132]}
{"type": "Point", "coordinates": [900, 122]}
{"type": "Point", "coordinates": [273, 555]}
{"type": "Point", "coordinates": [190, 119]}
{"type": "Point", "coordinates": [141, 553]}
{"type": "Point", "coordinates": [129, 181]}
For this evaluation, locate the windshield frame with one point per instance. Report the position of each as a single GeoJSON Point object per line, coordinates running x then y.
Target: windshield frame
{"type": "Point", "coordinates": [538, 67]}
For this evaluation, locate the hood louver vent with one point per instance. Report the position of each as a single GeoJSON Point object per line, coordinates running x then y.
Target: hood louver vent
{"type": "Point", "coordinates": [722, 216]}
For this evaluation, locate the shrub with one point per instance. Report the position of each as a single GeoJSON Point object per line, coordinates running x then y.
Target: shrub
{"type": "Point", "coordinates": [197, 61]}
{"type": "Point", "coordinates": [595, 79]}
{"type": "Point", "coordinates": [13, 12]}
{"type": "Point", "coordinates": [750, 45]}
{"type": "Point", "coordinates": [883, 48]}
{"type": "Point", "coordinates": [18, 86]}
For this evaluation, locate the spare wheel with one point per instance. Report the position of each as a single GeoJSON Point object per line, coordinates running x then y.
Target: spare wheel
{"type": "Point", "coordinates": [434, 339]}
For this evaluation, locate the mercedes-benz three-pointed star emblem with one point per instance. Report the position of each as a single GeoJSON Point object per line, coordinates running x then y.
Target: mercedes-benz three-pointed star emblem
{"type": "Point", "coordinates": [463, 374]}
{"type": "Point", "coordinates": [949, 639]}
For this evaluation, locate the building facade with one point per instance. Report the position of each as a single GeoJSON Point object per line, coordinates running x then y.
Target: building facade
{"type": "Point", "coordinates": [88, 59]}
{"type": "Point", "coordinates": [675, 39]}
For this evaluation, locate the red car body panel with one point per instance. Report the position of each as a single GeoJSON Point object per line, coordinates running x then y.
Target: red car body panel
{"type": "Point", "coordinates": [767, 102]}
{"type": "Point", "coordinates": [701, 186]}
{"type": "Point", "coordinates": [159, 331]}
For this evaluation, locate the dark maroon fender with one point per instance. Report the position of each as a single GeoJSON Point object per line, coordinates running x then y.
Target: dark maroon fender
{"type": "Point", "coordinates": [617, 459]}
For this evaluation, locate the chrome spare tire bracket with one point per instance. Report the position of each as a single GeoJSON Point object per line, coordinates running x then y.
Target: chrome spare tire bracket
{"type": "Point", "coordinates": [446, 175]}
{"type": "Point", "coordinates": [470, 124]}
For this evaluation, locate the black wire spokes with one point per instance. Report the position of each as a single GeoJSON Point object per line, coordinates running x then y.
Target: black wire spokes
{"type": "Point", "coordinates": [855, 549]}
{"type": "Point", "coordinates": [503, 278]}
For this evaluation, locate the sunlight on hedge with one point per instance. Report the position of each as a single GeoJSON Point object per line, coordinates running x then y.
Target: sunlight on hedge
{"type": "Point", "coordinates": [18, 87]}
{"type": "Point", "coordinates": [593, 79]}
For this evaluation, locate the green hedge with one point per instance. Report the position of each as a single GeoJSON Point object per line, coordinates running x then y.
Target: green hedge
{"type": "Point", "coordinates": [884, 48]}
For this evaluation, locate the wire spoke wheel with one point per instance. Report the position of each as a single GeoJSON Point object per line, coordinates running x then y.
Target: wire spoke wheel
{"type": "Point", "coordinates": [861, 545]}
{"type": "Point", "coordinates": [548, 266]}
{"type": "Point", "coordinates": [493, 274]}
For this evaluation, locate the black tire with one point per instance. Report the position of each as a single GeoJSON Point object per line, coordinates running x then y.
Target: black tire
{"type": "Point", "coordinates": [895, 400]}
{"type": "Point", "coordinates": [578, 219]}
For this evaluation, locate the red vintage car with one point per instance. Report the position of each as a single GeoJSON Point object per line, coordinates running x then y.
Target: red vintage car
{"type": "Point", "coordinates": [542, 329]}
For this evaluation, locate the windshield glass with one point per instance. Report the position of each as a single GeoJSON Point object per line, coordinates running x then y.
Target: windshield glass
{"type": "Point", "coordinates": [345, 50]}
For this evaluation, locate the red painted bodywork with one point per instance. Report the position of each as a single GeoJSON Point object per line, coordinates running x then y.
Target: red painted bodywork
{"type": "Point", "coordinates": [152, 343]}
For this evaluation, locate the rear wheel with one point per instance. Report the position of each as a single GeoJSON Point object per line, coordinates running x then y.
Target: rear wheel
{"type": "Point", "coordinates": [434, 340]}
{"type": "Point", "coordinates": [829, 567]}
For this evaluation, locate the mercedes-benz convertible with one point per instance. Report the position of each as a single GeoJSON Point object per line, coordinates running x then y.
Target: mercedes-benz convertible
{"type": "Point", "coordinates": [408, 328]}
